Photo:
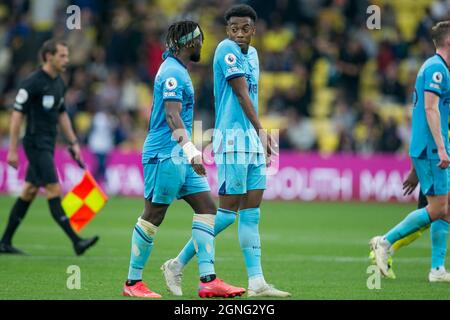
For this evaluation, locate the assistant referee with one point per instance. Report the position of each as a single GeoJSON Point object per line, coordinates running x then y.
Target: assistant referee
{"type": "Point", "coordinates": [40, 100]}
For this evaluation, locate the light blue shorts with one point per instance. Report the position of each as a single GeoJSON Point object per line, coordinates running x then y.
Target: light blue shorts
{"type": "Point", "coordinates": [433, 180]}
{"type": "Point", "coordinates": [239, 172]}
{"type": "Point", "coordinates": [170, 178]}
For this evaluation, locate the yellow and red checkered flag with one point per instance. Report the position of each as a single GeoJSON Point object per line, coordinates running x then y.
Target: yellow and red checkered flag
{"type": "Point", "coordinates": [83, 202]}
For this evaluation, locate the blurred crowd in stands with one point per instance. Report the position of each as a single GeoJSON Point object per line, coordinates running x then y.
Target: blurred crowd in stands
{"type": "Point", "coordinates": [328, 83]}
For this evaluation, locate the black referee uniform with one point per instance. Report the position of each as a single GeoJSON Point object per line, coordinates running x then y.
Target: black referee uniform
{"type": "Point", "coordinates": [41, 100]}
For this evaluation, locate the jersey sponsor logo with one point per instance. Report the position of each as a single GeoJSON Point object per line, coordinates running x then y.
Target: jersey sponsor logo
{"type": "Point", "coordinates": [171, 83]}
{"type": "Point", "coordinates": [48, 102]}
{"type": "Point", "coordinates": [435, 86]}
{"type": "Point", "coordinates": [169, 94]}
{"type": "Point", "coordinates": [233, 70]}
{"type": "Point", "coordinates": [437, 77]}
{"type": "Point", "coordinates": [22, 96]}
{"type": "Point", "coordinates": [230, 59]}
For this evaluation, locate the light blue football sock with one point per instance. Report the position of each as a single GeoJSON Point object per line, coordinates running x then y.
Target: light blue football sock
{"type": "Point", "coordinates": [203, 240]}
{"type": "Point", "coordinates": [249, 240]}
{"type": "Point", "coordinates": [141, 247]}
{"type": "Point", "coordinates": [413, 222]}
{"type": "Point", "coordinates": [224, 218]}
{"type": "Point", "coordinates": [439, 233]}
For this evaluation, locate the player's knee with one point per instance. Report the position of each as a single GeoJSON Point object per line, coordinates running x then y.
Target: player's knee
{"type": "Point", "coordinates": [445, 211]}
{"type": "Point", "coordinates": [208, 207]}
{"type": "Point", "coordinates": [29, 192]}
{"type": "Point", "coordinates": [154, 215]}
{"type": "Point", "coordinates": [438, 209]}
{"type": "Point", "coordinates": [211, 208]}
{"type": "Point", "coordinates": [230, 203]}
{"type": "Point", "coordinates": [53, 190]}
{"type": "Point", "coordinates": [253, 199]}
{"type": "Point", "coordinates": [250, 203]}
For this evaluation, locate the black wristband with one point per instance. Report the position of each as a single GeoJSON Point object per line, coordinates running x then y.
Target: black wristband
{"type": "Point", "coordinates": [73, 143]}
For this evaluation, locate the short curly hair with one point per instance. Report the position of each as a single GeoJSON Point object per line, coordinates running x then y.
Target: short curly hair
{"type": "Point", "coordinates": [241, 10]}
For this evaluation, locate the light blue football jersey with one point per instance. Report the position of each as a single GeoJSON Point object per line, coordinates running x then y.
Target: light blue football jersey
{"type": "Point", "coordinates": [172, 82]}
{"type": "Point", "coordinates": [434, 77]}
{"type": "Point", "coordinates": [233, 130]}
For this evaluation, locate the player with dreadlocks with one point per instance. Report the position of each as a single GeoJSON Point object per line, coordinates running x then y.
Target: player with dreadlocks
{"type": "Point", "coordinates": [173, 167]}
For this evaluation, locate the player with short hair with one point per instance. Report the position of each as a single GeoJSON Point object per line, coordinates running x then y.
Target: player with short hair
{"type": "Point", "coordinates": [429, 152]}
{"type": "Point", "coordinates": [239, 153]}
{"type": "Point", "coordinates": [173, 167]}
{"type": "Point", "coordinates": [40, 100]}
{"type": "Point", "coordinates": [409, 185]}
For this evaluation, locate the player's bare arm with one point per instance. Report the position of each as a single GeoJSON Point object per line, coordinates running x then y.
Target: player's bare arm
{"type": "Point", "coordinates": [434, 123]}
{"type": "Point", "coordinates": [240, 89]}
{"type": "Point", "coordinates": [173, 109]}
{"type": "Point", "coordinates": [14, 130]}
{"type": "Point", "coordinates": [67, 130]}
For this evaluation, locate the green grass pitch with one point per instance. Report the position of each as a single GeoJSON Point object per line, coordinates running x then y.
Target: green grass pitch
{"type": "Point", "coordinates": [313, 250]}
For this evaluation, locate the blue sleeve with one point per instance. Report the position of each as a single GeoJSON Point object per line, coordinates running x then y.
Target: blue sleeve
{"type": "Point", "coordinates": [435, 79]}
{"type": "Point", "coordinates": [173, 85]}
{"type": "Point", "coordinates": [229, 58]}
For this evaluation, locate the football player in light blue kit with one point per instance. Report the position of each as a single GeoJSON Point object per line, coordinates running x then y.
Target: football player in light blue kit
{"type": "Point", "coordinates": [173, 168]}
{"type": "Point", "coordinates": [239, 153]}
{"type": "Point", "coordinates": [429, 152]}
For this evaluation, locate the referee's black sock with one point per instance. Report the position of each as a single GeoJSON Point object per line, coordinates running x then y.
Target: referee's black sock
{"type": "Point", "coordinates": [18, 212]}
{"type": "Point", "coordinates": [61, 218]}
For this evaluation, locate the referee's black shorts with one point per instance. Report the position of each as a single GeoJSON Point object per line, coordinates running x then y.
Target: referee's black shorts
{"type": "Point", "coordinates": [41, 167]}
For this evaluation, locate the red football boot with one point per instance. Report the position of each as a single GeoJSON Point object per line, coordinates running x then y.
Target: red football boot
{"type": "Point", "coordinates": [140, 290]}
{"type": "Point", "coordinates": [218, 288]}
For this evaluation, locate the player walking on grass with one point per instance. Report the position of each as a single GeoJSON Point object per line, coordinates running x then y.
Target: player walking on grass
{"type": "Point", "coordinates": [41, 101]}
{"type": "Point", "coordinates": [239, 153]}
{"type": "Point", "coordinates": [429, 148]}
{"type": "Point", "coordinates": [409, 185]}
{"type": "Point", "coordinates": [169, 173]}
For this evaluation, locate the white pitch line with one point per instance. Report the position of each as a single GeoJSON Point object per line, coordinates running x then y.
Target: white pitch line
{"type": "Point", "coordinates": [289, 258]}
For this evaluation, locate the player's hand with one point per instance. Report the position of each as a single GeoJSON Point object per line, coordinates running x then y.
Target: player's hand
{"type": "Point", "coordinates": [269, 145]}
{"type": "Point", "coordinates": [410, 183]}
{"type": "Point", "coordinates": [13, 159]}
{"type": "Point", "coordinates": [75, 152]}
{"type": "Point", "coordinates": [444, 159]}
{"type": "Point", "coordinates": [197, 165]}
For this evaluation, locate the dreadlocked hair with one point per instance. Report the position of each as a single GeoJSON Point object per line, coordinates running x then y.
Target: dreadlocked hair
{"type": "Point", "coordinates": [178, 30]}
